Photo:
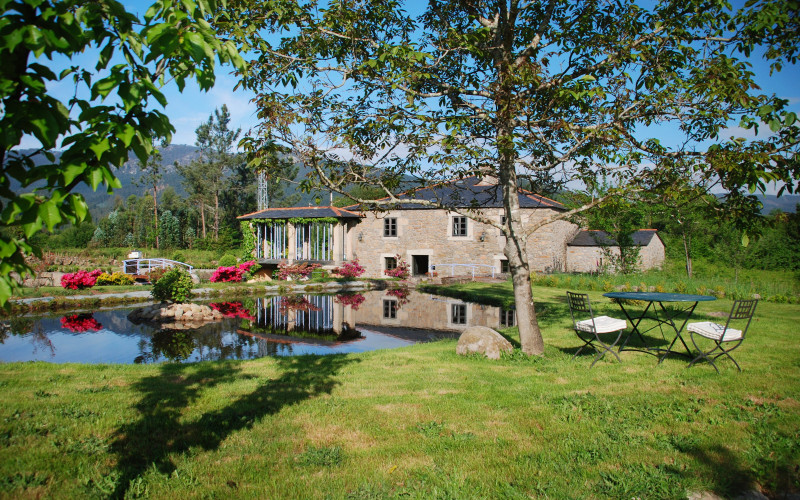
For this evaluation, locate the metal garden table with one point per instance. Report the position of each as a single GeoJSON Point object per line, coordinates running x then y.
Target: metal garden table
{"type": "Point", "coordinates": [685, 305]}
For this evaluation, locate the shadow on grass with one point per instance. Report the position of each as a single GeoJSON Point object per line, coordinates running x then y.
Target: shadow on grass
{"type": "Point", "coordinates": [162, 430]}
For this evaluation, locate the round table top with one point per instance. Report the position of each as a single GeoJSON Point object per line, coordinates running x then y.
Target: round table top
{"type": "Point", "coordinates": [659, 296]}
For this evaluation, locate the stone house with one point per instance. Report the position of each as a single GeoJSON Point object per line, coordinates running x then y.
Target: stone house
{"type": "Point", "coordinates": [430, 240]}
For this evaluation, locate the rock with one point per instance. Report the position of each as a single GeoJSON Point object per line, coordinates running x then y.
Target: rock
{"type": "Point", "coordinates": [483, 340]}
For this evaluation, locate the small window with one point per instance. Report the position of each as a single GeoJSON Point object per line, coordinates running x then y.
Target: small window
{"type": "Point", "coordinates": [504, 267]}
{"type": "Point", "coordinates": [390, 263]}
{"type": "Point", "coordinates": [507, 318]}
{"type": "Point", "coordinates": [389, 309]}
{"type": "Point", "coordinates": [459, 314]}
{"type": "Point", "coordinates": [459, 226]}
{"type": "Point", "coordinates": [390, 227]}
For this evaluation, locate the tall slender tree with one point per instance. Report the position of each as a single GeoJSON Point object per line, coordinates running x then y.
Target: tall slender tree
{"type": "Point", "coordinates": [152, 173]}
{"type": "Point", "coordinates": [218, 157]}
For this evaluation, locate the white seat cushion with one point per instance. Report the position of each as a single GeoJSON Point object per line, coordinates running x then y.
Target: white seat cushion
{"type": "Point", "coordinates": [604, 324]}
{"type": "Point", "coordinates": [715, 331]}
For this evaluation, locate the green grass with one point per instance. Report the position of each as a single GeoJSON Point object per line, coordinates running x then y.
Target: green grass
{"type": "Point", "coordinates": [416, 422]}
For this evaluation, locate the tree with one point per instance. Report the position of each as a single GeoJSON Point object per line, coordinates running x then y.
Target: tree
{"type": "Point", "coordinates": [151, 175]}
{"type": "Point", "coordinates": [109, 113]}
{"type": "Point", "coordinates": [208, 174]}
{"type": "Point", "coordinates": [547, 92]}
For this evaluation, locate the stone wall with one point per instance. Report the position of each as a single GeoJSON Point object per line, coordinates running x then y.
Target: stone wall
{"type": "Point", "coordinates": [428, 232]}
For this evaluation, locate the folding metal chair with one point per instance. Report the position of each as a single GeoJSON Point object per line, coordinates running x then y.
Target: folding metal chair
{"type": "Point", "coordinates": [723, 336]}
{"type": "Point", "coordinates": [590, 329]}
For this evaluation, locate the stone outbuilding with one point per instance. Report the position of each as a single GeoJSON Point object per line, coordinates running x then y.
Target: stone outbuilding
{"type": "Point", "coordinates": [589, 250]}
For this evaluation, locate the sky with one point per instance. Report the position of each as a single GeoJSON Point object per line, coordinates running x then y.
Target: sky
{"type": "Point", "coordinates": [190, 108]}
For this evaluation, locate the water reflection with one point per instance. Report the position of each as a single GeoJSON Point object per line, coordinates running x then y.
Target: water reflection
{"type": "Point", "coordinates": [252, 328]}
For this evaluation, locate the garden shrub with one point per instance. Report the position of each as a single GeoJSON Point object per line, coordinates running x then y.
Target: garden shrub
{"type": "Point", "coordinates": [351, 269]}
{"type": "Point", "coordinates": [80, 279]}
{"type": "Point", "coordinates": [175, 285]}
{"type": "Point", "coordinates": [179, 257]}
{"type": "Point", "coordinates": [233, 274]}
{"type": "Point", "coordinates": [227, 260]}
{"type": "Point", "coordinates": [117, 278]}
{"type": "Point", "coordinates": [156, 274]}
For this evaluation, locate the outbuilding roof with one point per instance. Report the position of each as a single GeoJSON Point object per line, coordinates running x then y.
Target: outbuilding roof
{"type": "Point", "coordinates": [597, 238]}
{"type": "Point", "coordinates": [471, 192]}
{"type": "Point", "coordinates": [302, 212]}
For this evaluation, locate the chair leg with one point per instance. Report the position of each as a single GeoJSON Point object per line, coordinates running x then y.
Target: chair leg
{"type": "Point", "coordinates": [585, 343]}
{"type": "Point", "coordinates": [706, 355]}
{"type": "Point", "coordinates": [606, 348]}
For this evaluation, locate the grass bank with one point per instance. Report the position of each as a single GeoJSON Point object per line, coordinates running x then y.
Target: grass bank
{"type": "Point", "coordinates": [417, 422]}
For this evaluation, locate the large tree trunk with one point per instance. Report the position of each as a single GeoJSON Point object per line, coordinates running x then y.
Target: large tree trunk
{"type": "Point", "coordinates": [515, 249]}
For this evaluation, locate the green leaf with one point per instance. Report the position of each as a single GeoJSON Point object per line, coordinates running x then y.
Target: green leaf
{"type": "Point", "coordinates": [50, 214]}
{"type": "Point", "coordinates": [745, 240]}
{"type": "Point", "coordinates": [775, 125]}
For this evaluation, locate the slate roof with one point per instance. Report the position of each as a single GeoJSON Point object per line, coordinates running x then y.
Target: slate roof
{"type": "Point", "coordinates": [304, 212]}
{"type": "Point", "coordinates": [470, 193]}
{"type": "Point", "coordinates": [595, 238]}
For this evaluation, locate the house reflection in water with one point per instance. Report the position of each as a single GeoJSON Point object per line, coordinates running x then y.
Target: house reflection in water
{"type": "Point", "coordinates": [375, 317]}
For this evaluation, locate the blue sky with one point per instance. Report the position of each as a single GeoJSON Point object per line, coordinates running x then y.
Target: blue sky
{"type": "Point", "coordinates": [188, 109]}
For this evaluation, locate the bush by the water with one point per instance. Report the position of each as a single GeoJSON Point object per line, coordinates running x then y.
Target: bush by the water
{"type": "Point", "coordinates": [175, 285]}
{"type": "Point", "coordinates": [116, 278]}
{"type": "Point", "coordinates": [81, 279]}
{"type": "Point", "coordinates": [233, 274]}
{"type": "Point", "coordinates": [350, 269]}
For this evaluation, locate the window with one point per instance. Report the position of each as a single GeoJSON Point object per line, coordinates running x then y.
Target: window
{"type": "Point", "coordinates": [504, 267]}
{"type": "Point", "coordinates": [389, 309]}
{"type": "Point", "coordinates": [390, 263]}
{"type": "Point", "coordinates": [390, 227]}
{"type": "Point", "coordinates": [507, 318]}
{"type": "Point", "coordinates": [459, 314]}
{"type": "Point", "coordinates": [459, 226]}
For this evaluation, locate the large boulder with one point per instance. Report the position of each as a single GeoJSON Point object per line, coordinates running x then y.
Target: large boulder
{"type": "Point", "coordinates": [175, 316]}
{"type": "Point", "coordinates": [482, 340]}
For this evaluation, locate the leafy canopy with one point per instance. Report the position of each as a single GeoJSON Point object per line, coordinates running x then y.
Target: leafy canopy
{"type": "Point", "coordinates": [111, 110]}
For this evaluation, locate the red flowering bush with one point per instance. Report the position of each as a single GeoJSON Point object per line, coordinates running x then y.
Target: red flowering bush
{"type": "Point", "coordinates": [401, 271]}
{"type": "Point", "coordinates": [295, 271]}
{"type": "Point", "coordinates": [81, 279]}
{"type": "Point", "coordinates": [233, 273]}
{"type": "Point", "coordinates": [352, 300]}
{"type": "Point", "coordinates": [232, 310]}
{"type": "Point", "coordinates": [80, 323]}
{"type": "Point", "coordinates": [351, 269]}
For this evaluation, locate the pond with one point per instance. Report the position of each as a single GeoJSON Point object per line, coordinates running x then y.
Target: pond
{"type": "Point", "coordinates": [252, 328]}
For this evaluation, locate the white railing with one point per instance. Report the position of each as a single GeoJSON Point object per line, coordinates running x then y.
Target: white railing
{"type": "Point", "coordinates": [453, 267]}
{"type": "Point", "coordinates": [144, 266]}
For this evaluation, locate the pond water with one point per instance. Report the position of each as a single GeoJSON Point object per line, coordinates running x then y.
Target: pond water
{"type": "Point", "coordinates": [252, 328]}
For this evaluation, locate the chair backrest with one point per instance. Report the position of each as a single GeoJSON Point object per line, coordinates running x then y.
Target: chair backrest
{"type": "Point", "coordinates": [579, 302]}
{"type": "Point", "coordinates": [741, 310]}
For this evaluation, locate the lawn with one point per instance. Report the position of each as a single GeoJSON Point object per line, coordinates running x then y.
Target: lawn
{"type": "Point", "coordinates": [417, 422]}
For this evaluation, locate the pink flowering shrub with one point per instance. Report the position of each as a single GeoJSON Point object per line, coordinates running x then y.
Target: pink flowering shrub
{"type": "Point", "coordinates": [295, 271]}
{"type": "Point", "coordinates": [350, 269]}
{"type": "Point", "coordinates": [352, 300]}
{"type": "Point", "coordinates": [233, 273]}
{"type": "Point", "coordinates": [401, 271]}
{"type": "Point", "coordinates": [80, 323]}
{"type": "Point", "coordinates": [81, 279]}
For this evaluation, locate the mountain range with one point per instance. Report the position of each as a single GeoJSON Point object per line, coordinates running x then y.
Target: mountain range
{"type": "Point", "coordinates": [102, 203]}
